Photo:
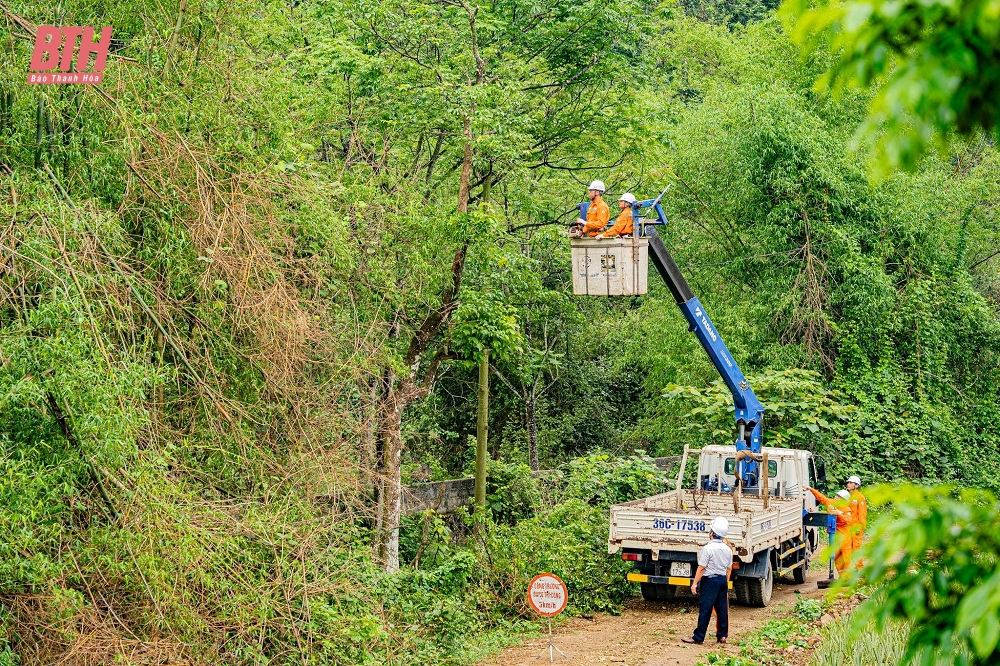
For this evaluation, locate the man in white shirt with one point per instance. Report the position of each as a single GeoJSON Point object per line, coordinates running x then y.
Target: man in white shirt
{"type": "Point", "coordinates": [711, 583]}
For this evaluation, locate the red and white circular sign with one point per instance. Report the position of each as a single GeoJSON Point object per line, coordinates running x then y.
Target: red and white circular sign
{"type": "Point", "coordinates": [547, 594]}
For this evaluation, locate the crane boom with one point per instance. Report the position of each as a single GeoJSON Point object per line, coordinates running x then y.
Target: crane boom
{"type": "Point", "coordinates": [748, 410]}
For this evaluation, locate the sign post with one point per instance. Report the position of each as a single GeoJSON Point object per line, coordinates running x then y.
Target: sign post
{"type": "Point", "coordinates": [547, 596]}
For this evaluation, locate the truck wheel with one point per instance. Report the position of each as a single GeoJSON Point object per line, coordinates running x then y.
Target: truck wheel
{"type": "Point", "coordinates": [760, 588]}
{"type": "Point", "coordinates": [801, 574]}
{"type": "Point", "coordinates": [666, 592]}
{"type": "Point", "coordinates": [742, 588]}
{"type": "Point", "coordinates": [648, 591]}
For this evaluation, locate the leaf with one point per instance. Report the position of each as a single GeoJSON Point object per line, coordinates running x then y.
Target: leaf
{"type": "Point", "coordinates": [986, 633]}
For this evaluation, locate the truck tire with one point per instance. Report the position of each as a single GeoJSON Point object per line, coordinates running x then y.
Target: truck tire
{"type": "Point", "coordinates": [801, 573]}
{"type": "Point", "coordinates": [648, 591]}
{"type": "Point", "coordinates": [742, 588]}
{"type": "Point", "coordinates": [760, 588]}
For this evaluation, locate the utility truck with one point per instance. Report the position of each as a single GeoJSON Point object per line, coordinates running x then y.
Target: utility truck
{"type": "Point", "coordinates": [662, 534]}
{"type": "Point", "coordinates": [761, 491]}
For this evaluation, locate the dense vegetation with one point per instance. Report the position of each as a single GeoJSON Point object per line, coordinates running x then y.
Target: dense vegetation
{"type": "Point", "coordinates": [246, 283]}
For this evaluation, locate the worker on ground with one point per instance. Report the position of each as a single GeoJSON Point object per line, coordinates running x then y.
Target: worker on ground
{"type": "Point", "coordinates": [859, 509]}
{"type": "Point", "coordinates": [598, 213]}
{"type": "Point", "coordinates": [623, 225]}
{"type": "Point", "coordinates": [840, 506]}
{"type": "Point", "coordinates": [711, 583]}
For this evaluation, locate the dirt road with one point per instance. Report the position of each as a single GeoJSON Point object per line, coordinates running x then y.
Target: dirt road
{"type": "Point", "coordinates": [647, 633]}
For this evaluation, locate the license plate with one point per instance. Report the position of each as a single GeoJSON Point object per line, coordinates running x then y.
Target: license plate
{"type": "Point", "coordinates": [679, 524]}
{"type": "Point", "coordinates": [681, 569]}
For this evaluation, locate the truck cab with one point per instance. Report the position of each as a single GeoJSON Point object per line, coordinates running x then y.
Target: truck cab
{"type": "Point", "coordinates": [785, 469]}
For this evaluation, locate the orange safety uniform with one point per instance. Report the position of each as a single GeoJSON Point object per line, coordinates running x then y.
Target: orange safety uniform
{"type": "Point", "coordinates": [622, 225]}
{"type": "Point", "coordinates": [598, 215]}
{"type": "Point", "coordinates": [859, 509]}
{"type": "Point", "coordinates": [845, 528]}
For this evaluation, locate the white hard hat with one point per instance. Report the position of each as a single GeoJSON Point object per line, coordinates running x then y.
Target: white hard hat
{"type": "Point", "coordinates": [629, 197]}
{"type": "Point", "coordinates": [844, 494]}
{"type": "Point", "coordinates": [720, 526]}
{"type": "Point", "coordinates": [855, 480]}
{"type": "Point", "coordinates": [597, 185]}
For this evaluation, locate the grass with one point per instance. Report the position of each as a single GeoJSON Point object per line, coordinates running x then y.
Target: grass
{"type": "Point", "coordinates": [872, 648]}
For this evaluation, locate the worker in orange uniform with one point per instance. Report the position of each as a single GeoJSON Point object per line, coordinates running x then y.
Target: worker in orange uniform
{"type": "Point", "coordinates": [598, 213]}
{"type": "Point", "coordinates": [840, 506]}
{"type": "Point", "coordinates": [623, 225]}
{"type": "Point", "coordinates": [859, 509]}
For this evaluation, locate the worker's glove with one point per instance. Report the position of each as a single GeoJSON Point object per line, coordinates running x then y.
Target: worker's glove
{"type": "Point", "coordinates": [599, 236]}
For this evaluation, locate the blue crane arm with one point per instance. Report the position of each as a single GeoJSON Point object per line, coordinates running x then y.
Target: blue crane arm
{"type": "Point", "coordinates": [749, 411]}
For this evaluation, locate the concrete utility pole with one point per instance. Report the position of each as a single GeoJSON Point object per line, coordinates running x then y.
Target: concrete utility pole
{"type": "Point", "coordinates": [484, 408]}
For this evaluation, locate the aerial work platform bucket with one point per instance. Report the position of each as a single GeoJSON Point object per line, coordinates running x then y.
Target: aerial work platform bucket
{"type": "Point", "coordinates": [610, 266]}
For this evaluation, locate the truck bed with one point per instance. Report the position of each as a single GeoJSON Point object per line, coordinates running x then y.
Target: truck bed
{"type": "Point", "coordinates": [655, 522]}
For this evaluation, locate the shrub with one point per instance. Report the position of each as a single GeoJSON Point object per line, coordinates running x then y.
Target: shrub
{"type": "Point", "coordinates": [512, 494]}
{"type": "Point", "coordinates": [602, 480]}
{"type": "Point", "coordinates": [570, 541]}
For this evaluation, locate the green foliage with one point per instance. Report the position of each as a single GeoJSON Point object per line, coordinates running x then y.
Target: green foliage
{"type": "Point", "coordinates": [512, 494]}
{"type": "Point", "coordinates": [571, 541]}
{"type": "Point", "coordinates": [801, 412]}
{"type": "Point", "coordinates": [933, 66]}
{"type": "Point", "coordinates": [602, 480]}
{"type": "Point", "coordinates": [731, 13]}
{"type": "Point", "coordinates": [217, 262]}
{"type": "Point", "coordinates": [827, 273]}
{"type": "Point", "coordinates": [563, 530]}
{"type": "Point", "coordinates": [568, 538]}
{"type": "Point", "coordinates": [7, 655]}
{"type": "Point", "coordinates": [933, 560]}
{"type": "Point", "coordinates": [487, 317]}
{"type": "Point", "coordinates": [808, 609]}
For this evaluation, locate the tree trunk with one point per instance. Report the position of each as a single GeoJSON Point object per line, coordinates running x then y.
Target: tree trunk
{"type": "Point", "coordinates": [390, 504]}
{"type": "Point", "coordinates": [481, 430]}
{"type": "Point", "coordinates": [463, 184]}
{"type": "Point", "coordinates": [417, 383]}
{"type": "Point", "coordinates": [173, 38]}
{"type": "Point", "coordinates": [383, 395]}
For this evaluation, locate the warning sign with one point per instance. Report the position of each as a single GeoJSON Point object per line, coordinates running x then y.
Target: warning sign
{"type": "Point", "coordinates": [547, 594]}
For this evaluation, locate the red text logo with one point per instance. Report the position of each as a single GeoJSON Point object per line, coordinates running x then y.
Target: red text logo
{"type": "Point", "coordinates": [55, 48]}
